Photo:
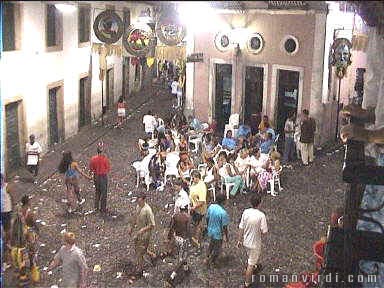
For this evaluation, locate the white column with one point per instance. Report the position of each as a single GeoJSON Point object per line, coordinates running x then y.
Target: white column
{"type": "Point", "coordinates": [316, 106]}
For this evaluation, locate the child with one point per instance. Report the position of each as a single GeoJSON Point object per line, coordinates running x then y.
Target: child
{"type": "Point", "coordinates": [121, 105]}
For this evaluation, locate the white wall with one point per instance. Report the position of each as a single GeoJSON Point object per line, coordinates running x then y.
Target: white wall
{"type": "Point", "coordinates": [27, 72]}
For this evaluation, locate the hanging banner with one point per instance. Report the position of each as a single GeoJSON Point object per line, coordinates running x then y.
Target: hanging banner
{"type": "Point", "coordinates": [150, 61]}
{"type": "Point", "coordinates": [170, 53]}
{"type": "Point", "coordinates": [108, 27]}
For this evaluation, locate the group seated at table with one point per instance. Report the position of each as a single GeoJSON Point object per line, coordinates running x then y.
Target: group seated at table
{"type": "Point", "coordinates": [245, 163]}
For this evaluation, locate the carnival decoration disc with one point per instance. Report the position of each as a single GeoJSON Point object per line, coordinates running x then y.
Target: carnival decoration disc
{"type": "Point", "coordinates": [169, 28]}
{"type": "Point", "coordinates": [108, 27]}
{"type": "Point", "coordinates": [138, 40]}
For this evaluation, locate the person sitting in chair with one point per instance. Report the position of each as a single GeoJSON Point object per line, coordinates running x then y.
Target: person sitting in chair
{"type": "Point", "coordinates": [228, 142]}
{"type": "Point", "coordinates": [265, 147]}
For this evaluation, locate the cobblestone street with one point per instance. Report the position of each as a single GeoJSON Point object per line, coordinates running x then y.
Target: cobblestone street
{"type": "Point", "coordinates": [296, 218]}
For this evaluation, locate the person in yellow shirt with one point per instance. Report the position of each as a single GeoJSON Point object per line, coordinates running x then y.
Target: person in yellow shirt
{"type": "Point", "coordinates": [198, 197]}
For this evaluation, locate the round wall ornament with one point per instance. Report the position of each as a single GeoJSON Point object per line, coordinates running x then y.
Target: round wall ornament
{"type": "Point", "coordinates": [169, 28]}
{"type": "Point", "coordinates": [108, 27]}
{"type": "Point", "coordinates": [222, 41]}
{"type": "Point", "coordinates": [138, 40]}
{"type": "Point", "coordinates": [255, 43]}
{"type": "Point", "coordinates": [290, 45]}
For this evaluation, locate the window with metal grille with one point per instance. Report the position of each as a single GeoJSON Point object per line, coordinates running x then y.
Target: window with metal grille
{"type": "Point", "coordinates": [84, 23]}
{"type": "Point", "coordinates": [11, 26]}
{"type": "Point", "coordinates": [51, 26]}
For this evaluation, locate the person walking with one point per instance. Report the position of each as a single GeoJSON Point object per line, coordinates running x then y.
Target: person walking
{"type": "Point", "coordinates": [71, 171]}
{"type": "Point", "coordinates": [217, 222]}
{"type": "Point", "coordinates": [252, 226]}
{"type": "Point", "coordinates": [144, 224]}
{"type": "Point", "coordinates": [73, 263]}
{"type": "Point", "coordinates": [150, 123]}
{"type": "Point", "coordinates": [121, 106]}
{"type": "Point", "coordinates": [289, 145]}
{"type": "Point", "coordinates": [33, 151]}
{"type": "Point", "coordinates": [198, 197]}
{"type": "Point", "coordinates": [179, 233]}
{"type": "Point", "coordinates": [100, 167]}
{"type": "Point", "coordinates": [6, 217]}
{"type": "Point", "coordinates": [307, 138]}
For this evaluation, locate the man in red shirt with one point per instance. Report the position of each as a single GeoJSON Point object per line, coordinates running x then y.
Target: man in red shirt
{"type": "Point", "coordinates": [100, 167]}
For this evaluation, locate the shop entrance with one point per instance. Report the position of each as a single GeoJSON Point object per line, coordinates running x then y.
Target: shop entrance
{"type": "Point", "coordinates": [223, 94]}
{"type": "Point", "coordinates": [254, 86]}
{"type": "Point", "coordinates": [288, 92]}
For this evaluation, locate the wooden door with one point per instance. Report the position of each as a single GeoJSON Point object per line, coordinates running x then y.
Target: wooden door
{"type": "Point", "coordinates": [12, 137]}
{"type": "Point", "coordinates": [254, 87]}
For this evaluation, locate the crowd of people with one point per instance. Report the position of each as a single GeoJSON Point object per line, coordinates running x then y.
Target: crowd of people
{"type": "Point", "coordinates": [206, 170]}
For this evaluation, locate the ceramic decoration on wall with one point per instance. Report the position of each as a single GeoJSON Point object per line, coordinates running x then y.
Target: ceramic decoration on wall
{"type": "Point", "coordinates": [290, 45]}
{"type": "Point", "coordinates": [169, 29]}
{"type": "Point", "coordinates": [255, 43]}
{"type": "Point", "coordinates": [108, 27]}
{"type": "Point", "coordinates": [341, 56]}
{"type": "Point", "coordinates": [138, 40]}
{"type": "Point", "coordinates": [223, 41]}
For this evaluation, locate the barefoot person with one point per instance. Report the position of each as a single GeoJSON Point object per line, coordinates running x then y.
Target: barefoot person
{"type": "Point", "coordinates": [142, 230]}
{"type": "Point", "coordinates": [73, 265]}
{"type": "Point", "coordinates": [72, 172]}
{"type": "Point", "coordinates": [252, 226]}
{"type": "Point", "coordinates": [100, 167]}
{"type": "Point", "coordinates": [218, 220]}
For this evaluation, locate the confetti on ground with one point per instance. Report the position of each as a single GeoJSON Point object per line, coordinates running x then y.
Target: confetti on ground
{"type": "Point", "coordinates": [97, 268]}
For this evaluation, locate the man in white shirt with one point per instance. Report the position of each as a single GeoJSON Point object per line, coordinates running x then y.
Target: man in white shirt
{"type": "Point", "coordinates": [174, 86]}
{"type": "Point", "coordinates": [289, 145]}
{"type": "Point", "coordinates": [33, 150]}
{"type": "Point", "coordinates": [252, 226]}
{"type": "Point", "coordinates": [150, 123]}
{"type": "Point", "coordinates": [181, 196]}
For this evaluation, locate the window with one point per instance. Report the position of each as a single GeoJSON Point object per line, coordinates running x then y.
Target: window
{"type": "Point", "coordinates": [290, 45]}
{"type": "Point", "coordinates": [11, 26]}
{"type": "Point", "coordinates": [84, 23]}
{"type": "Point", "coordinates": [54, 36]}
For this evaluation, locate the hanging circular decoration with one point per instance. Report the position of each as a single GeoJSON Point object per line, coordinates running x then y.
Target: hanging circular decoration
{"type": "Point", "coordinates": [138, 40]}
{"type": "Point", "coordinates": [222, 41]}
{"type": "Point", "coordinates": [255, 43]}
{"type": "Point", "coordinates": [290, 45]}
{"type": "Point", "coordinates": [169, 29]}
{"type": "Point", "coordinates": [341, 56]}
{"type": "Point", "coordinates": [108, 27]}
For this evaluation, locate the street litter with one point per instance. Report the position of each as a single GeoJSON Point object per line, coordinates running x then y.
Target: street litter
{"type": "Point", "coordinates": [63, 231]}
{"type": "Point", "coordinates": [53, 251]}
{"type": "Point", "coordinates": [97, 268]}
{"type": "Point", "coordinates": [43, 223]}
{"type": "Point", "coordinates": [63, 225]}
{"type": "Point", "coordinates": [42, 245]}
{"type": "Point", "coordinates": [96, 245]}
{"type": "Point", "coordinates": [119, 274]}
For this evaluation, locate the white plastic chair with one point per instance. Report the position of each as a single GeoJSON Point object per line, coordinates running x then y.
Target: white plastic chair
{"type": "Point", "coordinates": [228, 186]}
{"type": "Point", "coordinates": [196, 141]}
{"type": "Point", "coordinates": [171, 161]}
{"type": "Point", "coordinates": [212, 189]}
{"type": "Point", "coordinates": [275, 181]}
{"type": "Point", "coordinates": [202, 168]}
{"type": "Point", "coordinates": [142, 171]}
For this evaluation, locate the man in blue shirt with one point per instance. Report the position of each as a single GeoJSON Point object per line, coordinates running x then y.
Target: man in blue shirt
{"type": "Point", "coordinates": [217, 222]}
{"type": "Point", "coordinates": [265, 147]}
{"type": "Point", "coordinates": [228, 142]}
